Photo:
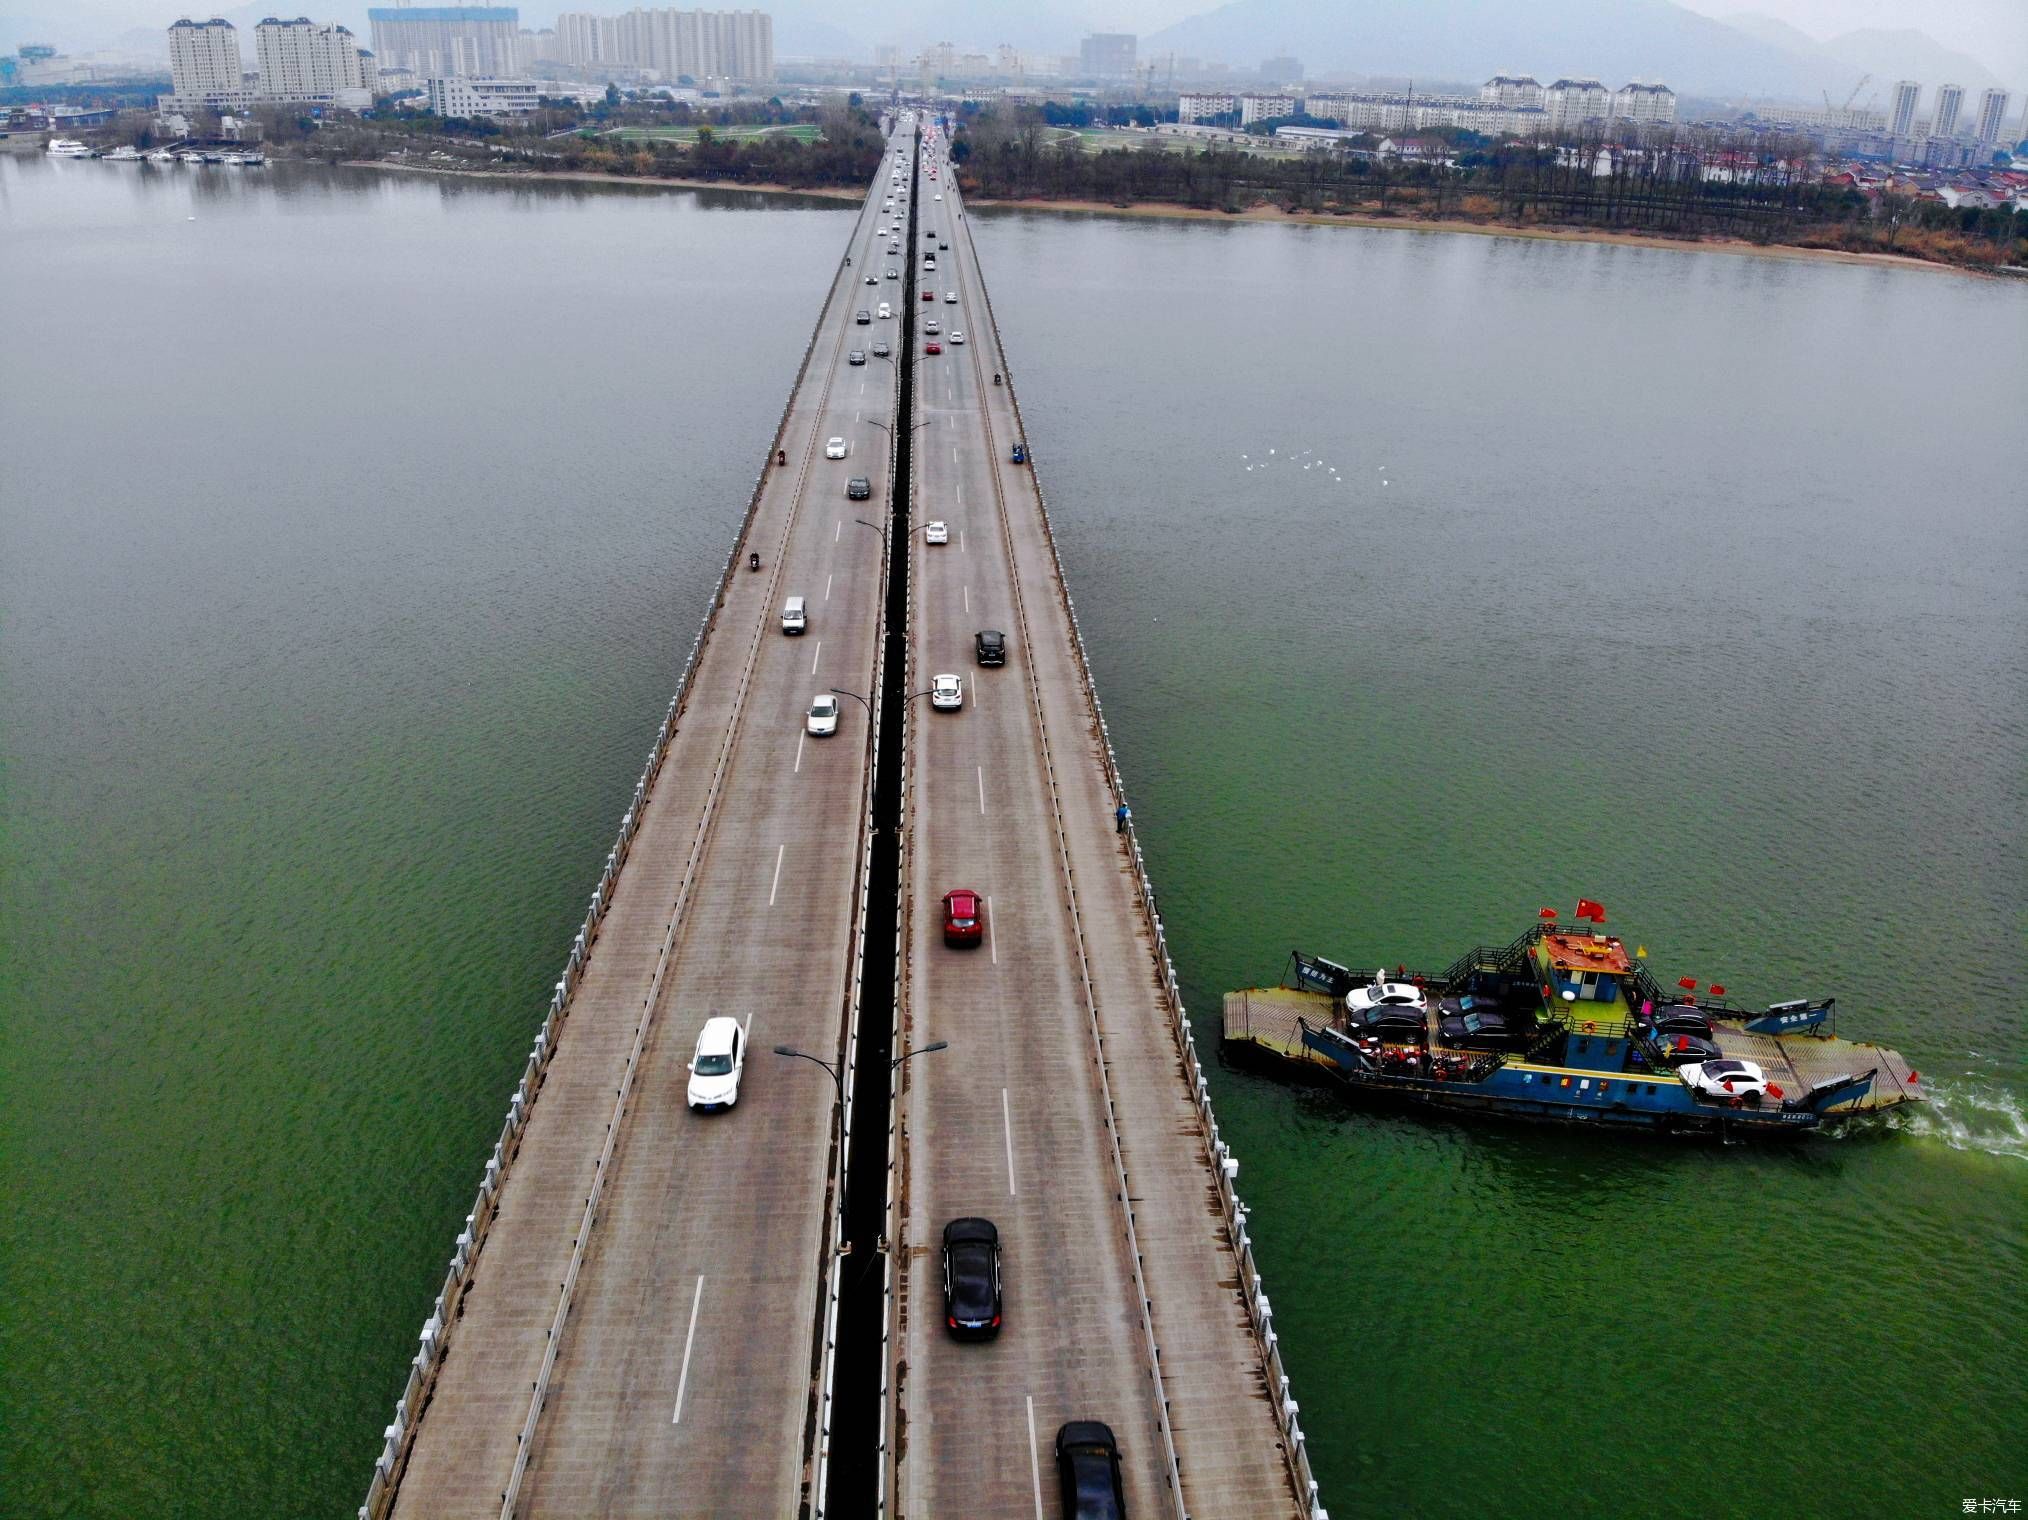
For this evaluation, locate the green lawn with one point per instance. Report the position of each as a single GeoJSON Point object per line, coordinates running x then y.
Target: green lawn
{"type": "Point", "coordinates": [802, 132]}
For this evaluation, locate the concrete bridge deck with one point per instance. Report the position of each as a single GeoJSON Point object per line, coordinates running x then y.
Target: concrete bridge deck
{"type": "Point", "coordinates": [683, 1379]}
{"type": "Point", "coordinates": [1062, 1044]}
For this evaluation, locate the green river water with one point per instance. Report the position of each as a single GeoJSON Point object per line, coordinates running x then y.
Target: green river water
{"type": "Point", "coordinates": [352, 532]}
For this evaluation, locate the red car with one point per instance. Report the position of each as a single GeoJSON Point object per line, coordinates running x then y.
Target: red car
{"type": "Point", "coordinates": [964, 917]}
{"type": "Point", "coordinates": [929, 295]}
{"type": "Point", "coordinates": [932, 347]}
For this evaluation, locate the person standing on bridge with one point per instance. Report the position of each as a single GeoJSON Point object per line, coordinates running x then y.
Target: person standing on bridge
{"type": "Point", "coordinates": [1120, 816]}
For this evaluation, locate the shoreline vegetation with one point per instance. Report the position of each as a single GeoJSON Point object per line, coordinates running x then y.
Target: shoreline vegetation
{"type": "Point", "coordinates": [1546, 232]}
{"type": "Point", "coordinates": [1691, 188]}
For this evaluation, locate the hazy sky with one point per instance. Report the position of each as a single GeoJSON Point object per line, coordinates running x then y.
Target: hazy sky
{"type": "Point", "coordinates": [1994, 31]}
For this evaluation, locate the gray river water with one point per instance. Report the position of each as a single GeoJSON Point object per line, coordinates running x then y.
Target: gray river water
{"type": "Point", "coordinates": [352, 531]}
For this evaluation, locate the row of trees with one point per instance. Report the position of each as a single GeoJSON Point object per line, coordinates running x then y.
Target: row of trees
{"type": "Point", "coordinates": [1683, 184]}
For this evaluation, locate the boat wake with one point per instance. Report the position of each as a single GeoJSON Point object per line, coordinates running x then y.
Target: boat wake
{"type": "Point", "coordinates": [1971, 1117]}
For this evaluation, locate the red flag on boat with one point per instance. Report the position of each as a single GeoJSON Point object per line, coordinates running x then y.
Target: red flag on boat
{"type": "Point", "coordinates": [1774, 1090]}
{"type": "Point", "coordinates": [1682, 1042]}
{"type": "Point", "coordinates": [1687, 983]}
{"type": "Point", "coordinates": [1586, 908]}
{"type": "Point", "coordinates": [1716, 990]}
{"type": "Point", "coordinates": [1547, 913]}
{"type": "Point", "coordinates": [1914, 1076]}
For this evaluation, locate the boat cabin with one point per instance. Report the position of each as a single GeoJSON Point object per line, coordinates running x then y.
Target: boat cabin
{"type": "Point", "coordinates": [1592, 969]}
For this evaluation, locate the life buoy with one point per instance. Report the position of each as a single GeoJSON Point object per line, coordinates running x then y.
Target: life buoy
{"type": "Point", "coordinates": [1590, 1027]}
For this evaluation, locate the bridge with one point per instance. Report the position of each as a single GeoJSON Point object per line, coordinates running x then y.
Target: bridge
{"type": "Point", "coordinates": [653, 1310]}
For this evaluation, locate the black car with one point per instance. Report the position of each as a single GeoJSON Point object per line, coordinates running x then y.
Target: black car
{"type": "Point", "coordinates": [880, 348]}
{"type": "Point", "coordinates": [1394, 1023]}
{"type": "Point", "coordinates": [972, 1279]}
{"type": "Point", "coordinates": [858, 488]}
{"type": "Point", "coordinates": [1682, 1049]}
{"type": "Point", "coordinates": [1088, 1468]}
{"type": "Point", "coordinates": [863, 317]}
{"type": "Point", "coordinates": [856, 356]}
{"type": "Point", "coordinates": [1683, 1032]}
{"type": "Point", "coordinates": [1473, 1024]}
{"type": "Point", "coordinates": [992, 646]}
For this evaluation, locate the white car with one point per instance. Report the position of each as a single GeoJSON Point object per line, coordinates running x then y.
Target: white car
{"type": "Point", "coordinates": [1724, 1080]}
{"type": "Point", "coordinates": [935, 533]}
{"type": "Point", "coordinates": [1381, 993]}
{"type": "Point", "coordinates": [715, 1069]}
{"type": "Point", "coordinates": [834, 448]}
{"type": "Point", "coordinates": [957, 337]}
{"type": "Point", "coordinates": [950, 298]}
{"type": "Point", "coordinates": [894, 274]}
{"type": "Point", "coordinates": [947, 692]}
{"type": "Point", "coordinates": [823, 719]}
{"type": "Point", "coordinates": [940, 194]}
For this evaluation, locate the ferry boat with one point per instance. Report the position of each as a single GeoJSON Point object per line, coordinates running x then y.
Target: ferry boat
{"type": "Point", "coordinates": [1564, 1025]}
{"type": "Point", "coordinates": [124, 155]}
{"type": "Point", "coordinates": [69, 147]}
{"type": "Point", "coordinates": [161, 156]}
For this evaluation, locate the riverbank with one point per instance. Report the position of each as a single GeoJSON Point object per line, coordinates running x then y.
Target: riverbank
{"type": "Point", "coordinates": [592, 176]}
{"type": "Point", "coordinates": [1484, 229]}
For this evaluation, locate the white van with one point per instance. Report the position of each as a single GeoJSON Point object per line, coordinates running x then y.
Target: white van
{"type": "Point", "coordinates": [794, 618]}
{"type": "Point", "coordinates": [886, 311]}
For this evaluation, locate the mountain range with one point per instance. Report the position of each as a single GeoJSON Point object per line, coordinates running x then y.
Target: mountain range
{"type": "Point", "coordinates": [1612, 40]}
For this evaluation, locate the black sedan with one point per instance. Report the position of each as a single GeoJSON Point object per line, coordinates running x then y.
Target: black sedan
{"type": "Point", "coordinates": [858, 488]}
{"type": "Point", "coordinates": [1088, 1468]}
{"type": "Point", "coordinates": [972, 1279]}
{"type": "Point", "coordinates": [1469, 1024]}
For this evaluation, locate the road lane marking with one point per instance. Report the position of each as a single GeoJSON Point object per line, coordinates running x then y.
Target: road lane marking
{"type": "Point", "coordinates": [800, 738]}
{"type": "Point", "coordinates": [1034, 1462]}
{"type": "Point", "coordinates": [816, 655]}
{"type": "Point", "coordinates": [961, 495]}
{"type": "Point", "coordinates": [968, 599]}
{"type": "Point", "coordinates": [982, 788]}
{"type": "Point", "coordinates": [840, 530]}
{"type": "Point", "coordinates": [827, 588]}
{"type": "Point", "coordinates": [992, 939]}
{"type": "Point", "coordinates": [1007, 1127]}
{"type": "Point", "coordinates": [779, 851]}
{"type": "Point", "coordinates": [961, 540]}
{"type": "Point", "coordinates": [683, 1381]}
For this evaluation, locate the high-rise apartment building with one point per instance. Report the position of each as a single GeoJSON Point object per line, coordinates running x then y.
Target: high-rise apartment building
{"type": "Point", "coordinates": [1511, 91]}
{"type": "Point", "coordinates": [1950, 99]}
{"type": "Point", "coordinates": [447, 40]}
{"type": "Point", "coordinates": [1572, 102]}
{"type": "Point", "coordinates": [1901, 118]}
{"type": "Point", "coordinates": [305, 63]}
{"type": "Point", "coordinates": [204, 67]}
{"type": "Point", "coordinates": [1107, 55]}
{"type": "Point", "coordinates": [1644, 103]}
{"type": "Point", "coordinates": [702, 44]}
{"type": "Point", "coordinates": [1992, 116]}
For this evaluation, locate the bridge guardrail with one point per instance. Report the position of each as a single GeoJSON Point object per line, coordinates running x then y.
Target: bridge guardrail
{"type": "Point", "coordinates": [399, 1437]}
{"type": "Point", "coordinates": [1226, 1169]}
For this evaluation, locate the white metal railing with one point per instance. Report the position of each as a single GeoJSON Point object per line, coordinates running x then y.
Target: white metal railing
{"type": "Point", "coordinates": [1225, 1167]}
{"type": "Point", "coordinates": [399, 1436]}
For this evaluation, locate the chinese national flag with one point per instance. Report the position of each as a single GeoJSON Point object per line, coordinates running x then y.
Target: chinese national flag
{"type": "Point", "coordinates": [1547, 913]}
{"type": "Point", "coordinates": [1586, 908]}
{"type": "Point", "coordinates": [1687, 983]}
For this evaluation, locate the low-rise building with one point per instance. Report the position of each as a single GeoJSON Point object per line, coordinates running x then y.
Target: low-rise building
{"type": "Point", "coordinates": [1253, 108]}
{"type": "Point", "coordinates": [468, 96]}
{"type": "Point", "coordinates": [1204, 107]}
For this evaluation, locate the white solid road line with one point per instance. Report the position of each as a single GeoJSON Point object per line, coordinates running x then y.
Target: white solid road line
{"type": "Point", "coordinates": [1034, 1462]}
{"type": "Point", "coordinates": [1007, 1126]}
{"type": "Point", "coordinates": [780, 850]}
{"type": "Point", "coordinates": [816, 655]}
{"type": "Point", "coordinates": [683, 1381]}
{"type": "Point", "coordinates": [992, 939]}
{"type": "Point", "coordinates": [800, 738]}
{"type": "Point", "coordinates": [982, 787]}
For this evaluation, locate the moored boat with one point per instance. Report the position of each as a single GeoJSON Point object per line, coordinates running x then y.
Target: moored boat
{"type": "Point", "coordinates": [68, 147]}
{"type": "Point", "coordinates": [1566, 1026]}
{"type": "Point", "coordinates": [124, 154]}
